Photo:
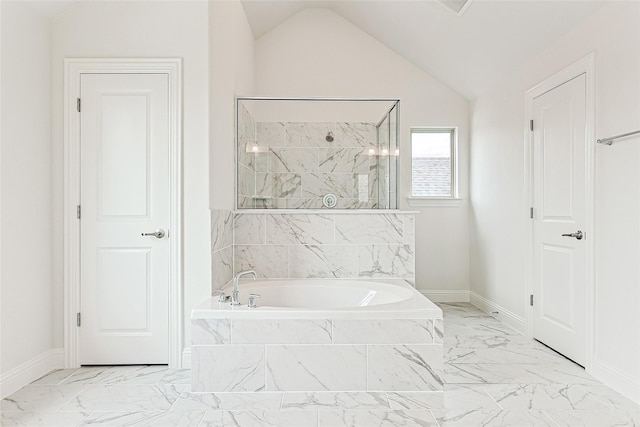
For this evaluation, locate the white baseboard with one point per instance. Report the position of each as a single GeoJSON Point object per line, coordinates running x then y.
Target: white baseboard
{"type": "Point", "coordinates": [615, 379]}
{"type": "Point", "coordinates": [186, 358]}
{"type": "Point", "coordinates": [29, 371]}
{"type": "Point", "coordinates": [505, 316]}
{"type": "Point", "coordinates": [446, 296]}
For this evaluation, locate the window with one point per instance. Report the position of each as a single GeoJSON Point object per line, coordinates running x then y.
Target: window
{"type": "Point", "coordinates": [433, 172]}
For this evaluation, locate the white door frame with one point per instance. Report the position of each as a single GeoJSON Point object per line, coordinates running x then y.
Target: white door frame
{"type": "Point", "coordinates": [73, 69]}
{"type": "Point", "coordinates": [584, 66]}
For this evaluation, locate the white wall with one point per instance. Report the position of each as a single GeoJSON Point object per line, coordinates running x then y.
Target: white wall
{"type": "Point", "coordinates": [231, 62]}
{"type": "Point", "coordinates": [317, 53]}
{"type": "Point", "coordinates": [25, 229]}
{"type": "Point", "coordinates": [497, 175]}
{"type": "Point", "coordinates": [147, 30]}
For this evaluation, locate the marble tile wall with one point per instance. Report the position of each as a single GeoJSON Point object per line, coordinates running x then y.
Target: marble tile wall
{"type": "Point", "coordinates": [267, 355]}
{"type": "Point", "coordinates": [301, 166]}
{"type": "Point", "coordinates": [331, 245]}
{"type": "Point", "coordinates": [221, 248]}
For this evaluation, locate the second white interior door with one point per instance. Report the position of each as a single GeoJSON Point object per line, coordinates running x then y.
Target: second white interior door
{"type": "Point", "coordinates": [559, 200]}
{"type": "Point", "coordinates": [124, 193]}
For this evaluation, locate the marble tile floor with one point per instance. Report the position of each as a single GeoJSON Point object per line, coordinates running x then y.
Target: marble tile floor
{"type": "Point", "coordinates": [493, 377]}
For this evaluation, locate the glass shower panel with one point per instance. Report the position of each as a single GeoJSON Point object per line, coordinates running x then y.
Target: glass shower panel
{"type": "Point", "coordinates": [313, 153]}
{"type": "Point", "coordinates": [394, 155]}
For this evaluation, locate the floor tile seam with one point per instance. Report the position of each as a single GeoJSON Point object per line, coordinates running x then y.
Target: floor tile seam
{"type": "Point", "coordinates": [483, 387]}
{"type": "Point", "coordinates": [607, 403]}
{"type": "Point", "coordinates": [175, 401]}
{"type": "Point", "coordinates": [75, 396]}
{"type": "Point", "coordinates": [546, 414]}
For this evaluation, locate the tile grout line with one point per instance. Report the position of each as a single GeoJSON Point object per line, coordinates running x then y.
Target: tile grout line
{"type": "Point", "coordinates": [546, 414]}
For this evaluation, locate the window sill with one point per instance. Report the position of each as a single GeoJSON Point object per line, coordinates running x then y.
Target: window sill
{"type": "Point", "coordinates": [435, 202]}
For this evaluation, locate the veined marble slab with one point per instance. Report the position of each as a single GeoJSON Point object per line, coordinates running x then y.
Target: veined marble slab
{"type": "Point", "coordinates": [40, 398]}
{"type": "Point", "coordinates": [299, 229]}
{"type": "Point", "coordinates": [508, 355]}
{"type": "Point", "coordinates": [404, 367]}
{"type": "Point", "coordinates": [262, 401]}
{"type": "Point", "coordinates": [322, 261]}
{"type": "Point", "coordinates": [267, 331]}
{"type": "Point", "coordinates": [249, 229]}
{"type": "Point", "coordinates": [210, 331]}
{"type": "Point", "coordinates": [334, 400]}
{"type": "Point", "coordinates": [488, 418]}
{"type": "Point", "coordinates": [595, 418]}
{"type": "Point", "coordinates": [385, 229]}
{"type": "Point", "coordinates": [124, 398]}
{"type": "Point", "coordinates": [386, 261]}
{"type": "Point", "coordinates": [371, 418]}
{"type": "Point", "coordinates": [349, 134]}
{"type": "Point", "coordinates": [388, 331]}
{"type": "Point", "coordinates": [549, 396]}
{"type": "Point", "coordinates": [228, 368]}
{"type": "Point", "coordinates": [316, 367]}
{"type": "Point", "coordinates": [145, 419]}
{"type": "Point", "coordinates": [260, 419]}
{"type": "Point", "coordinates": [306, 134]}
{"type": "Point", "coordinates": [41, 419]}
{"type": "Point", "coordinates": [492, 373]}
{"type": "Point", "coordinates": [221, 229]}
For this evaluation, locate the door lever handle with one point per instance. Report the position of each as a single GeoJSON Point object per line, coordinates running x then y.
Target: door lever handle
{"type": "Point", "coordinates": [578, 235]}
{"type": "Point", "coordinates": [158, 234]}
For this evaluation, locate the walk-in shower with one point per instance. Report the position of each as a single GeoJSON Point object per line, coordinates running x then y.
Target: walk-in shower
{"type": "Point", "coordinates": [316, 153]}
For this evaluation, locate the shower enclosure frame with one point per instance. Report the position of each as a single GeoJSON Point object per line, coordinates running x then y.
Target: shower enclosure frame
{"type": "Point", "coordinates": [396, 105]}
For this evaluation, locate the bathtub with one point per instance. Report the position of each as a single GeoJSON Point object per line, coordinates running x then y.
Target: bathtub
{"type": "Point", "coordinates": [318, 298]}
{"type": "Point", "coordinates": [318, 335]}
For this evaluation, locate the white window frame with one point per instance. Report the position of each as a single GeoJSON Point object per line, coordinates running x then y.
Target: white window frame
{"type": "Point", "coordinates": [453, 199]}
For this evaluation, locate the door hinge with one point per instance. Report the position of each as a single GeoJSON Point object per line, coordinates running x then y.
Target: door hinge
{"type": "Point", "coordinates": [531, 300]}
{"type": "Point", "coordinates": [531, 212]}
{"type": "Point", "coordinates": [78, 320]}
{"type": "Point", "coordinates": [530, 122]}
{"type": "Point", "coordinates": [78, 104]}
{"type": "Point", "coordinates": [78, 211]}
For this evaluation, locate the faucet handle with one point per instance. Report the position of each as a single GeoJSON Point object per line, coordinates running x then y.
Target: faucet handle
{"type": "Point", "coordinates": [252, 298]}
{"type": "Point", "coordinates": [222, 297]}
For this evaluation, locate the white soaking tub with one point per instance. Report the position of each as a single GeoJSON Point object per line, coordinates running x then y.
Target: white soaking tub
{"type": "Point", "coordinates": [318, 335]}
{"type": "Point", "coordinates": [318, 298]}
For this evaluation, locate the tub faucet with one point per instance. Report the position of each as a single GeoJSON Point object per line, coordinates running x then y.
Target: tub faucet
{"type": "Point", "coordinates": [234, 294]}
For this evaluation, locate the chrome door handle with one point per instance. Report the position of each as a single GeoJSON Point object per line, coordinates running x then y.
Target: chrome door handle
{"type": "Point", "coordinates": [578, 235]}
{"type": "Point", "coordinates": [158, 234]}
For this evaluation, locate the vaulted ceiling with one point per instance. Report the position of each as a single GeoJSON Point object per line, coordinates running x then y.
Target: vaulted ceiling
{"type": "Point", "coordinates": [468, 52]}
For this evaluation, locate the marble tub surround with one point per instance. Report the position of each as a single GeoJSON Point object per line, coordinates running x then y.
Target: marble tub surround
{"type": "Point", "coordinates": [315, 346]}
{"type": "Point", "coordinates": [325, 244]}
{"type": "Point", "coordinates": [280, 355]}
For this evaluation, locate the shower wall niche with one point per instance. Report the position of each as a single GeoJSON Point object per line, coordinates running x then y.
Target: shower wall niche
{"type": "Point", "coordinates": [316, 153]}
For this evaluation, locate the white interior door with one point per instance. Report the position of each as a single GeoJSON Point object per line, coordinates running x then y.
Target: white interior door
{"type": "Point", "coordinates": [124, 193]}
{"type": "Point", "coordinates": [559, 200]}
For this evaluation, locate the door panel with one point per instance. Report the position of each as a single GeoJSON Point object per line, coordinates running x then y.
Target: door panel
{"type": "Point", "coordinates": [124, 290]}
{"type": "Point", "coordinates": [559, 198]}
{"type": "Point", "coordinates": [557, 286]}
{"type": "Point", "coordinates": [124, 153]}
{"type": "Point", "coordinates": [124, 193]}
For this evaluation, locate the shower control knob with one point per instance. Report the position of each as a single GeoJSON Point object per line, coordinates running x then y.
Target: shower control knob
{"type": "Point", "coordinates": [329, 200]}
